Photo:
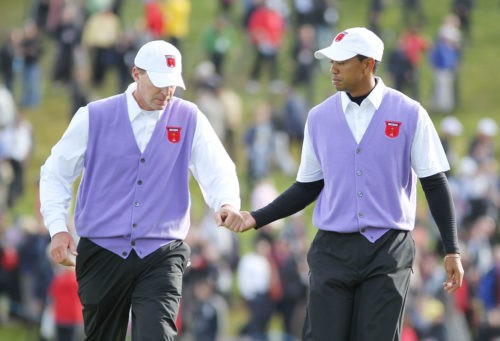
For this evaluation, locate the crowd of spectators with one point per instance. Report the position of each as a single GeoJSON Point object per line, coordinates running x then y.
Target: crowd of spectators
{"type": "Point", "coordinates": [264, 283]}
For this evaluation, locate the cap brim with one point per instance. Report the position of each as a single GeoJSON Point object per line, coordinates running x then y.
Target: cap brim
{"type": "Point", "coordinates": [162, 79]}
{"type": "Point", "coordinates": [334, 54]}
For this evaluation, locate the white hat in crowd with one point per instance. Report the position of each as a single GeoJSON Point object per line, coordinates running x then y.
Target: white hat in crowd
{"type": "Point", "coordinates": [451, 125]}
{"type": "Point", "coordinates": [163, 63]}
{"type": "Point", "coordinates": [487, 126]}
{"type": "Point", "coordinates": [351, 42]}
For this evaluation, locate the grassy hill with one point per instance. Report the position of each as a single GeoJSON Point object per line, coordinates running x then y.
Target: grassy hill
{"type": "Point", "coordinates": [478, 83]}
{"type": "Point", "coordinates": [477, 87]}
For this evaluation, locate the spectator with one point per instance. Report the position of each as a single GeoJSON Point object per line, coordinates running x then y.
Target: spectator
{"type": "Point", "coordinates": [218, 39]}
{"type": "Point", "coordinates": [225, 6]}
{"type": "Point", "coordinates": [155, 21]}
{"type": "Point", "coordinates": [303, 59]}
{"type": "Point", "coordinates": [35, 268]}
{"type": "Point", "coordinates": [40, 12]}
{"type": "Point", "coordinates": [444, 58]}
{"type": "Point", "coordinates": [79, 92]}
{"type": "Point", "coordinates": [266, 28]}
{"type": "Point", "coordinates": [451, 128]}
{"type": "Point", "coordinates": [485, 193]}
{"type": "Point", "coordinates": [293, 287]}
{"type": "Point", "coordinates": [233, 110]}
{"type": "Point", "coordinates": [463, 10]}
{"type": "Point", "coordinates": [101, 33]}
{"type": "Point", "coordinates": [413, 12]}
{"type": "Point", "coordinates": [327, 18]}
{"type": "Point", "coordinates": [10, 57]}
{"type": "Point", "coordinates": [266, 146]}
{"type": "Point", "coordinates": [67, 36]}
{"type": "Point", "coordinates": [176, 14]}
{"type": "Point", "coordinates": [375, 10]}
{"type": "Point", "coordinates": [210, 103]}
{"type": "Point", "coordinates": [9, 280]}
{"type": "Point", "coordinates": [414, 45]}
{"type": "Point", "coordinates": [210, 312]}
{"type": "Point", "coordinates": [482, 147]}
{"type": "Point", "coordinates": [490, 299]}
{"type": "Point", "coordinates": [66, 306]}
{"type": "Point", "coordinates": [263, 192]}
{"type": "Point", "coordinates": [18, 141]}
{"type": "Point", "coordinates": [31, 52]}
{"type": "Point", "coordinates": [259, 143]}
{"type": "Point", "coordinates": [8, 108]}
{"type": "Point", "coordinates": [400, 69]}
{"type": "Point", "coordinates": [293, 114]}
{"type": "Point", "coordinates": [254, 282]}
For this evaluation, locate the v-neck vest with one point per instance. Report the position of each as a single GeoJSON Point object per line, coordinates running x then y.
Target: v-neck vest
{"type": "Point", "coordinates": [132, 200]}
{"type": "Point", "coordinates": [370, 186]}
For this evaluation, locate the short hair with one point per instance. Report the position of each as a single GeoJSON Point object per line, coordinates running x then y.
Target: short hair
{"type": "Point", "coordinates": [361, 58]}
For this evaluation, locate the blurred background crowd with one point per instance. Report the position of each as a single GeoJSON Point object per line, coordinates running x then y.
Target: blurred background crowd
{"type": "Point", "coordinates": [250, 287]}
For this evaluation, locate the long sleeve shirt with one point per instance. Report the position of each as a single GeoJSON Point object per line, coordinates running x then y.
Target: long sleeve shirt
{"type": "Point", "coordinates": [66, 163]}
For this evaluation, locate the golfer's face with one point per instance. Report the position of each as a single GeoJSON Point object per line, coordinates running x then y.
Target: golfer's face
{"type": "Point", "coordinates": [349, 75]}
{"type": "Point", "coordinates": [148, 96]}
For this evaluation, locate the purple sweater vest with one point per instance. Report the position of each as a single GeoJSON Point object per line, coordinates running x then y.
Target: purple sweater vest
{"type": "Point", "coordinates": [132, 200]}
{"type": "Point", "coordinates": [370, 187]}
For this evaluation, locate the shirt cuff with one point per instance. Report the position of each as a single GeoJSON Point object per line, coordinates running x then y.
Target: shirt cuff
{"type": "Point", "coordinates": [234, 203]}
{"type": "Point", "coordinates": [57, 226]}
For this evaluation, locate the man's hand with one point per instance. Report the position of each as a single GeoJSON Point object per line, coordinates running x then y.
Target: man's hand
{"type": "Point", "coordinates": [248, 221]}
{"type": "Point", "coordinates": [63, 249]}
{"type": "Point", "coordinates": [232, 219]}
{"type": "Point", "coordinates": [454, 272]}
{"type": "Point", "coordinates": [229, 217]}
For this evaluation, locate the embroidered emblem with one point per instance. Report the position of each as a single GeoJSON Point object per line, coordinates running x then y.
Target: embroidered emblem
{"type": "Point", "coordinates": [173, 134]}
{"type": "Point", "coordinates": [340, 36]}
{"type": "Point", "coordinates": [392, 128]}
{"type": "Point", "coordinates": [170, 60]}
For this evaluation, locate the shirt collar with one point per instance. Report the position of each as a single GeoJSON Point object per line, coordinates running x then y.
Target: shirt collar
{"type": "Point", "coordinates": [133, 107]}
{"type": "Point", "coordinates": [375, 97]}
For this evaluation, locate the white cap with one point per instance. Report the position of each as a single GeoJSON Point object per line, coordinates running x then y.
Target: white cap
{"type": "Point", "coordinates": [351, 42]}
{"type": "Point", "coordinates": [451, 125]}
{"type": "Point", "coordinates": [163, 63]}
{"type": "Point", "coordinates": [487, 126]}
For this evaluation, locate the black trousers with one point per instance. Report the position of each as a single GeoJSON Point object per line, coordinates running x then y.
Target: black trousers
{"type": "Point", "coordinates": [110, 288]}
{"type": "Point", "coordinates": [358, 289]}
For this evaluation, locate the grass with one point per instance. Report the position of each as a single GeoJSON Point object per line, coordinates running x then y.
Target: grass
{"type": "Point", "coordinates": [478, 83]}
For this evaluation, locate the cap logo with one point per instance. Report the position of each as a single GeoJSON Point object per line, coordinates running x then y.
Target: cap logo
{"type": "Point", "coordinates": [170, 60]}
{"type": "Point", "coordinates": [340, 36]}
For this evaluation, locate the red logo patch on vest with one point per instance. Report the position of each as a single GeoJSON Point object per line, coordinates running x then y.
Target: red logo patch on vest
{"type": "Point", "coordinates": [170, 60]}
{"type": "Point", "coordinates": [340, 36]}
{"type": "Point", "coordinates": [392, 128]}
{"type": "Point", "coordinates": [173, 134]}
